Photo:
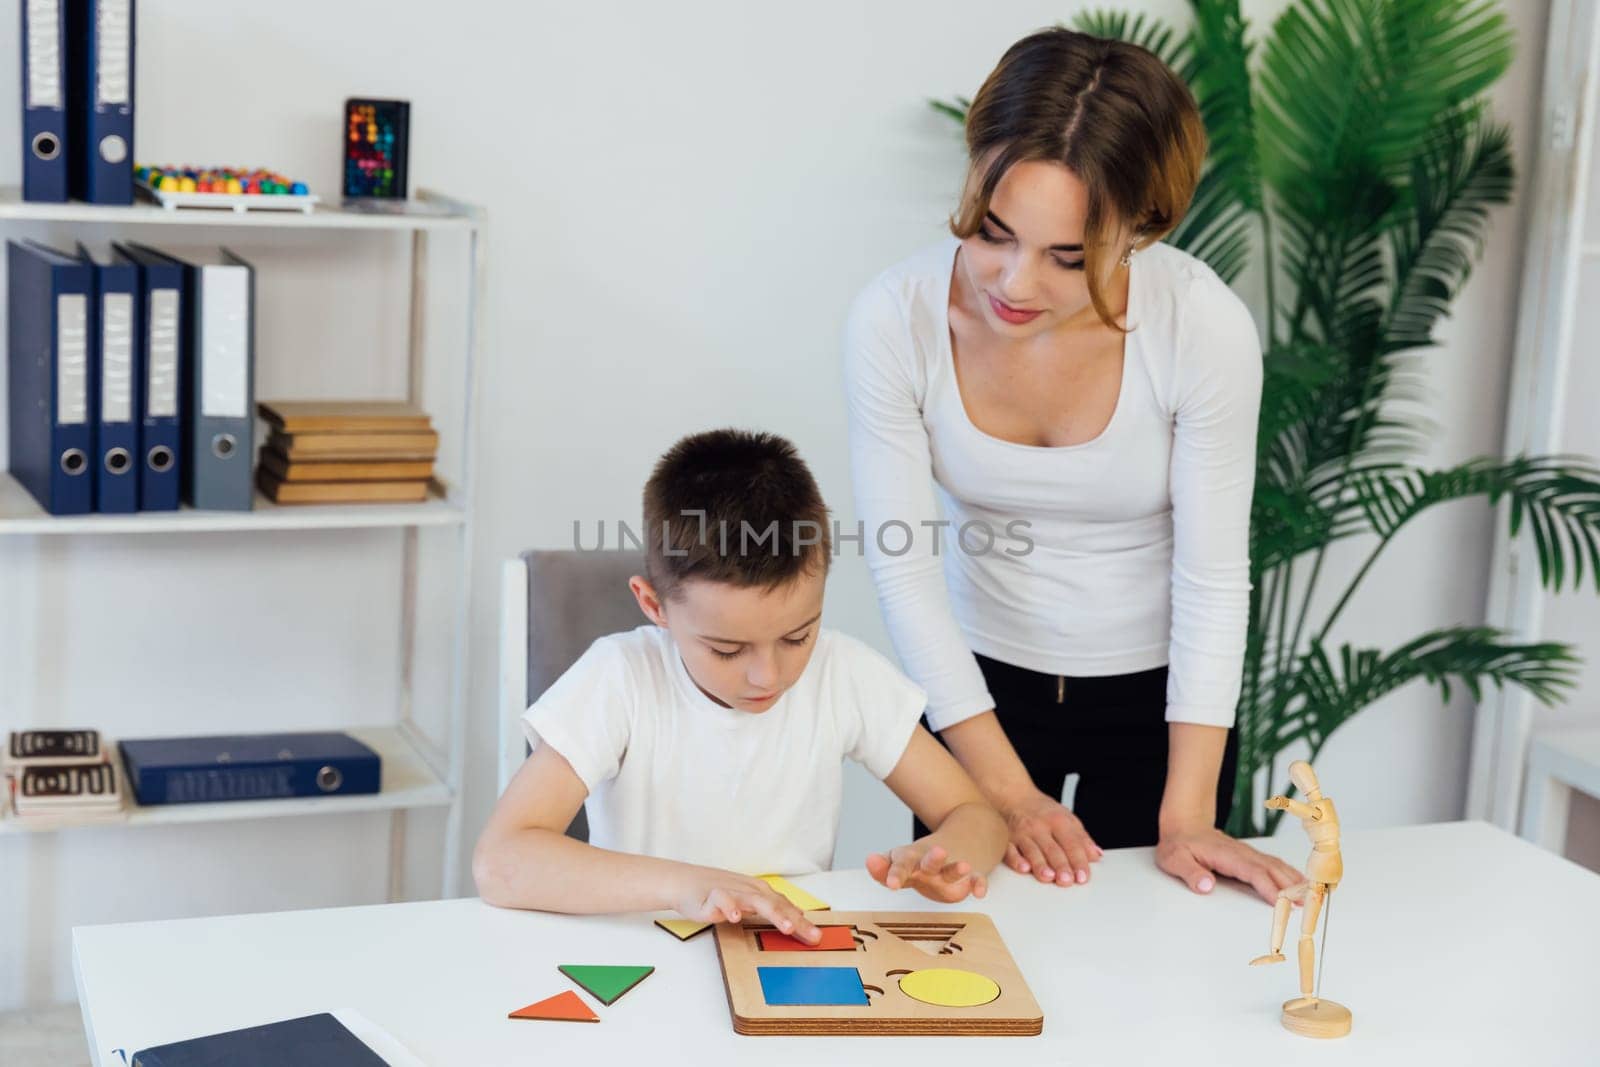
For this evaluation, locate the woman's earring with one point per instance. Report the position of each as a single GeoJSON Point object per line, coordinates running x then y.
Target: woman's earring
{"type": "Point", "coordinates": [1127, 257]}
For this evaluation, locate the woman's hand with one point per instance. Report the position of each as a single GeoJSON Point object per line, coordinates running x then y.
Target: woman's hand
{"type": "Point", "coordinates": [928, 870]}
{"type": "Point", "coordinates": [1048, 841]}
{"type": "Point", "coordinates": [707, 894]}
{"type": "Point", "coordinates": [1196, 856]}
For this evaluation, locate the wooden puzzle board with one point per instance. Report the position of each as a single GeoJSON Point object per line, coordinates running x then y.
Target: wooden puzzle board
{"type": "Point", "coordinates": [889, 945]}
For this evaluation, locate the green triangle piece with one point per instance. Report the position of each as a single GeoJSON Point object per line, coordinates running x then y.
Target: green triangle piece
{"type": "Point", "coordinates": [605, 983]}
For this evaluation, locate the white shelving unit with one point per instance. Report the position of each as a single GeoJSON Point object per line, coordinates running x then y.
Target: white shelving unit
{"type": "Point", "coordinates": [417, 772]}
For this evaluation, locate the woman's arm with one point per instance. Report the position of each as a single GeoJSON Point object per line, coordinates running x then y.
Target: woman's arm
{"type": "Point", "coordinates": [1216, 403]}
{"type": "Point", "coordinates": [892, 470]}
{"type": "Point", "coordinates": [525, 860]}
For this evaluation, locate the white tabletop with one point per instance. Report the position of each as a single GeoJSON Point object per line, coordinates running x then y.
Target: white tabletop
{"type": "Point", "coordinates": [1454, 943]}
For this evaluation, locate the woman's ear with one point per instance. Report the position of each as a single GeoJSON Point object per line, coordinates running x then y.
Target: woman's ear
{"type": "Point", "coordinates": [649, 602]}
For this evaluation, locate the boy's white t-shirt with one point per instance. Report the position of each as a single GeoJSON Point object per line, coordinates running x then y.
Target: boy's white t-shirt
{"type": "Point", "coordinates": [673, 774]}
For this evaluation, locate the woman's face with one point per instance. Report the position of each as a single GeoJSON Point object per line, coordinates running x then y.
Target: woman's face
{"type": "Point", "coordinates": [1025, 264]}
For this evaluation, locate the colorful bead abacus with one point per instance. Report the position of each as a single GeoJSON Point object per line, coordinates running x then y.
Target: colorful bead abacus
{"type": "Point", "coordinates": [231, 180]}
{"type": "Point", "coordinates": [238, 188]}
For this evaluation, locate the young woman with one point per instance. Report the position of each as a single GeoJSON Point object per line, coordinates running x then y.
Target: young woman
{"type": "Point", "coordinates": [1085, 399]}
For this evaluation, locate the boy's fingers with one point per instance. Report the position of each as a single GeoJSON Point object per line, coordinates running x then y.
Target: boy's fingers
{"type": "Point", "coordinates": [900, 871]}
{"type": "Point", "coordinates": [878, 867]}
{"type": "Point", "coordinates": [775, 909]}
{"type": "Point", "coordinates": [782, 914]}
{"type": "Point", "coordinates": [723, 904]}
{"type": "Point", "coordinates": [954, 872]}
{"type": "Point", "coordinates": [933, 860]}
{"type": "Point", "coordinates": [980, 886]}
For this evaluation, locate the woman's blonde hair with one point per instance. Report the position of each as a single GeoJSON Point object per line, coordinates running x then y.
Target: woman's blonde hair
{"type": "Point", "coordinates": [1113, 113]}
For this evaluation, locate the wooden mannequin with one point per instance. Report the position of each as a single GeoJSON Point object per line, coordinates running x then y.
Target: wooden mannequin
{"type": "Point", "coordinates": [1308, 1014]}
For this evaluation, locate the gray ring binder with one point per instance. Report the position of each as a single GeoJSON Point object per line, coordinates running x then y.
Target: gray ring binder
{"type": "Point", "coordinates": [223, 444]}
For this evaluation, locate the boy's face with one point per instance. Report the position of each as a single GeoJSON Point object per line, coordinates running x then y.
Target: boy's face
{"type": "Point", "coordinates": [743, 647]}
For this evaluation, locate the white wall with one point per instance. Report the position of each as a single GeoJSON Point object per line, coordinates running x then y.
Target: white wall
{"type": "Point", "coordinates": [683, 198]}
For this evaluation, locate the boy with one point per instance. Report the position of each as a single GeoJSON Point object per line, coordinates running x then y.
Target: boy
{"type": "Point", "coordinates": [710, 744]}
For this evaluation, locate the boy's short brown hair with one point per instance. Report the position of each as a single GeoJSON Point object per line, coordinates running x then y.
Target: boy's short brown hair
{"type": "Point", "coordinates": [733, 506]}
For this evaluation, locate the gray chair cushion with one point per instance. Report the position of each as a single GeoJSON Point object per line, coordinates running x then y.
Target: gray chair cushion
{"type": "Point", "coordinates": [573, 598]}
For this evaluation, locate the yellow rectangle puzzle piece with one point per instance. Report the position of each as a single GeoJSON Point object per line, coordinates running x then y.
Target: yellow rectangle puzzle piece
{"type": "Point", "coordinates": [796, 896]}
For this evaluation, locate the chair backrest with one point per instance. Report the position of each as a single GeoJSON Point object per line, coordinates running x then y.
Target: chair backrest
{"type": "Point", "coordinates": [554, 604]}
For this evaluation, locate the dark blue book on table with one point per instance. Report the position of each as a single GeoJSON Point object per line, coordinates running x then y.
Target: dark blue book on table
{"type": "Point", "coordinates": [205, 770]}
{"type": "Point", "coordinates": [312, 1041]}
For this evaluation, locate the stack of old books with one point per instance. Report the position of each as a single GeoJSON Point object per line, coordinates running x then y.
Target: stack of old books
{"type": "Point", "coordinates": [64, 775]}
{"type": "Point", "coordinates": [346, 452]}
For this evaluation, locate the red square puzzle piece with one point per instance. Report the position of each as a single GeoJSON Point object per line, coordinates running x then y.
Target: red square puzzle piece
{"type": "Point", "coordinates": [834, 939]}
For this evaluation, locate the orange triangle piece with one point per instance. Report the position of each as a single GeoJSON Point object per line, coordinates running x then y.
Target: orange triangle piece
{"type": "Point", "coordinates": [563, 1007]}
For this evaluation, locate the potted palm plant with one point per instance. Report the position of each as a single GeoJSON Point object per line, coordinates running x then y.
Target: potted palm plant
{"type": "Point", "coordinates": [1357, 157]}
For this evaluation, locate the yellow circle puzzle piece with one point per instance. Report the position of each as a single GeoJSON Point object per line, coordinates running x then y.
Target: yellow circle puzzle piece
{"type": "Point", "coordinates": [949, 988]}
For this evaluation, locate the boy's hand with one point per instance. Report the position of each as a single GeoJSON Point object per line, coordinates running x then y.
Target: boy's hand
{"type": "Point", "coordinates": [712, 895]}
{"type": "Point", "coordinates": [928, 871]}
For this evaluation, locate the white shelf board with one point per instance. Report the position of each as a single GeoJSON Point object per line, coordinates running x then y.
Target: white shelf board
{"type": "Point", "coordinates": [408, 782]}
{"type": "Point", "coordinates": [324, 216]}
{"type": "Point", "coordinates": [20, 513]}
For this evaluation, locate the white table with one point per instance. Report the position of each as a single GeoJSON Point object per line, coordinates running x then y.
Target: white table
{"type": "Point", "coordinates": [1559, 761]}
{"type": "Point", "coordinates": [1456, 943]}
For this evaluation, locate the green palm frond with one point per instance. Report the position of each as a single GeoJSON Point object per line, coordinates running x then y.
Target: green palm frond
{"type": "Point", "coordinates": [1287, 523]}
{"type": "Point", "coordinates": [1351, 87]}
{"type": "Point", "coordinates": [1217, 227]}
{"type": "Point", "coordinates": [1329, 693]}
{"type": "Point", "coordinates": [1146, 31]}
{"type": "Point", "coordinates": [1558, 498]}
{"type": "Point", "coordinates": [1364, 81]}
{"type": "Point", "coordinates": [1462, 169]}
{"type": "Point", "coordinates": [955, 108]}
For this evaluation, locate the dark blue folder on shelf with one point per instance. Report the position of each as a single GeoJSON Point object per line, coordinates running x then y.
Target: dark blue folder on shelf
{"type": "Point", "coordinates": [205, 770]}
{"type": "Point", "coordinates": [311, 1041]}
{"type": "Point", "coordinates": [50, 376]}
{"type": "Point", "coordinates": [218, 380]}
{"type": "Point", "coordinates": [114, 349]}
{"type": "Point", "coordinates": [100, 100]}
{"type": "Point", "coordinates": [160, 352]}
{"type": "Point", "coordinates": [44, 100]}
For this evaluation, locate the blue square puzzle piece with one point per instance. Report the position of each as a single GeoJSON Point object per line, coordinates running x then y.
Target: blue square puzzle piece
{"type": "Point", "coordinates": [811, 985]}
